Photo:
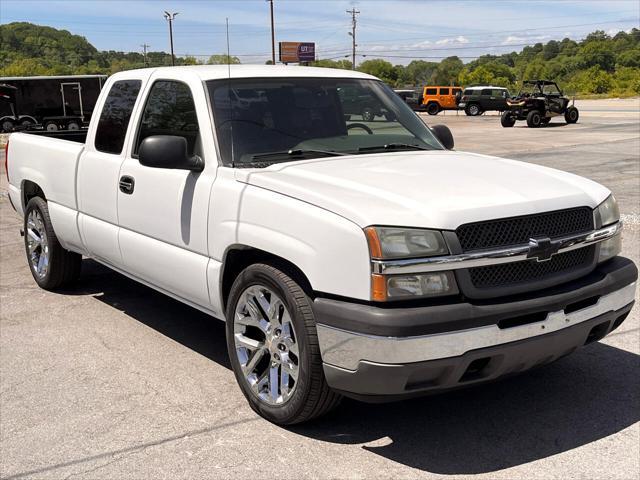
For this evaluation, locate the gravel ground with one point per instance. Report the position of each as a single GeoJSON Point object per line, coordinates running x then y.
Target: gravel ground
{"type": "Point", "coordinates": [113, 380]}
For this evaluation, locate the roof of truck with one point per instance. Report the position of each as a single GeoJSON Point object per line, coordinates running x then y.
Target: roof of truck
{"type": "Point", "coordinates": [216, 72]}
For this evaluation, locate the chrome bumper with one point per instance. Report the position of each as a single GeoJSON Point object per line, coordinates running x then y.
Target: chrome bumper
{"type": "Point", "coordinates": [344, 349]}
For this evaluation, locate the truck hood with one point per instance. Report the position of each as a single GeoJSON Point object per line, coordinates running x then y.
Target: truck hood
{"type": "Point", "coordinates": [436, 189]}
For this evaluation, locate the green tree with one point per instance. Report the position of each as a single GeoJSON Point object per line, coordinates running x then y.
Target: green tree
{"type": "Point", "coordinates": [382, 69]}
{"type": "Point", "coordinates": [448, 71]}
{"type": "Point", "coordinates": [223, 60]}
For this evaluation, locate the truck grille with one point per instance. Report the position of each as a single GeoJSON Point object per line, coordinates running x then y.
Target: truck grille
{"type": "Point", "coordinates": [518, 230]}
{"type": "Point", "coordinates": [530, 271]}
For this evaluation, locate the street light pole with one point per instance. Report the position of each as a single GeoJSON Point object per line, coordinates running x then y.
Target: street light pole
{"type": "Point", "coordinates": [273, 35]}
{"type": "Point", "coordinates": [170, 17]}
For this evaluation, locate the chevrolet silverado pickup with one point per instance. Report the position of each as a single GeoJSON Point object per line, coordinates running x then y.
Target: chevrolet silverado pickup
{"type": "Point", "coordinates": [348, 256]}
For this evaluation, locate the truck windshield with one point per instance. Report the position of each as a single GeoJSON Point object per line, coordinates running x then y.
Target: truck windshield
{"type": "Point", "coordinates": [264, 121]}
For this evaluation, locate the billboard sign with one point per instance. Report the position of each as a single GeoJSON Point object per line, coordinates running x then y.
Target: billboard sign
{"type": "Point", "coordinates": [296, 52]}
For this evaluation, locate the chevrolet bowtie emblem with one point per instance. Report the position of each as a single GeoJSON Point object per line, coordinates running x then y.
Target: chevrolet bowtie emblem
{"type": "Point", "coordinates": [542, 249]}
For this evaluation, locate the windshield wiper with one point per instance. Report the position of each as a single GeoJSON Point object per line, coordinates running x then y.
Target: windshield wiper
{"type": "Point", "coordinates": [287, 154]}
{"type": "Point", "coordinates": [393, 146]}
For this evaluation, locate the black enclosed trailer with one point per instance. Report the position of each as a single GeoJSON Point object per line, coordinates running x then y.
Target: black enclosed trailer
{"type": "Point", "coordinates": [49, 102]}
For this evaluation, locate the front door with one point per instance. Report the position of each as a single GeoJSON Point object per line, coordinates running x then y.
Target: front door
{"type": "Point", "coordinates": [163, 212]}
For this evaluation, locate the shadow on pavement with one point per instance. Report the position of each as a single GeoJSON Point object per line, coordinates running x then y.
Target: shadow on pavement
{"type": "Point", "coordinates": [582, 398]}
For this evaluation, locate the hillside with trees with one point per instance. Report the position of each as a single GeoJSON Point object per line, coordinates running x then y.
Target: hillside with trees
{"type": "Point", "coordinates": [600, 64]}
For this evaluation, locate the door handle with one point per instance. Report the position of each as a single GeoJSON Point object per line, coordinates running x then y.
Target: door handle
{"type": "Point", "coordinates": [126, 184]}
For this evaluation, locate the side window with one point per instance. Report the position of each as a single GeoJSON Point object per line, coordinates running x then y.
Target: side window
{"type": "Point", "coordinates": [444, 91]}
{"type": "Point", "coordinates": [498, 93]}
{"type": "Point", "coordinates": [115, 116]}
{"type": "Point", "coordinates": [486, 91]}
{"type": "Point", "coordinates": [431, 91]}
{"type": "Point", "coordinates": [468, 91]}
{"type": "Point", "coordinates": [169, 111]}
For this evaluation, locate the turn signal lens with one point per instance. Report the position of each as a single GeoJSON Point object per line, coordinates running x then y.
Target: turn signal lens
{"type": "Point", "coordinates": [378, 288]}
{"type": "Point", "coordinates": [610, 248]}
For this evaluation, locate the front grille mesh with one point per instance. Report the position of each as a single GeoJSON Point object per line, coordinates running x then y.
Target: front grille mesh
{"type": "Point", "coordinates": [518, 230]}
{"type": "Point", "coordinates": [530, 271]}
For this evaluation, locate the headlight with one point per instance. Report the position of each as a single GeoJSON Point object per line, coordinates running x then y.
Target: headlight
{"type": "Point", "coordinates": [393, 243]}
{"type": "Point", "coordinates": [421, 285]}
{"type": "Point", "coordinates": [609, 212]}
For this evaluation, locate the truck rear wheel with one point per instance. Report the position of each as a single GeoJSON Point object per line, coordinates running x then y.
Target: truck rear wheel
{"type": "Point", "coordinates": [534, 119]}
{"type": "Point", "coordinates": [51, 265]}
{"type": "Point", "coordinates": [507, 120]}
{"type": "Point", "coordinates": [51, 126]}
{"type": "Point", "coordinates": [273, 347]}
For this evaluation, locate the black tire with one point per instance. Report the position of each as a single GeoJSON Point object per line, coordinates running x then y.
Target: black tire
{"type": "Point", "coordinates": [73, 126]}
{"type": "Point", "coordinates": [63, 266]}
{"type": "Point", "coordinates": [473, 110]}
{"type": "Point", "coordinates": [507, 120]}
{"type": "Point", "coordinates": [433, 108]}
{"type": "Point", "coordinates": [571, 115]}
{"type": "Point", "coordinates": [534, 119]}
{"type": "Point", "coordinates": [367, 114]}
{"type": "Point", "coordinates": [26, 123]}
{"type": "Point", "coordinates": [311, 397]}
{"type": "Point", "coordinates": [51, 126]}
{"type": "Point", "coordinates": [8, 125]}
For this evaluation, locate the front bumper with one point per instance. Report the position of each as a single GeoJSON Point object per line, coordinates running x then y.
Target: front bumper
{"type": "Point", "coordinates": [382, 353]}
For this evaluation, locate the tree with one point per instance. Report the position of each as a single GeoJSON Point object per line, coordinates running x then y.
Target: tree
{"type": "Point", "coordinates": [448, 71]}
{"type": "Point", "coordinates": [418, 72]}
{"type": "Point", "coordinates": [223, 60]}
{"type": "Point", "coordinates": [382, 69]}
{"type": "Point", "coordinates": [342, 64]}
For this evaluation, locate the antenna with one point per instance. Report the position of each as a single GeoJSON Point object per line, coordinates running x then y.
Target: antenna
{"type": "Point", "coordinates": [233, 160]}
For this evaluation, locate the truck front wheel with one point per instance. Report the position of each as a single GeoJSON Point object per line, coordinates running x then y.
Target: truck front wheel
{"type": "Point", "coordinates": [571, 115]}
{"type": "Point", "coordinates": [51, 265]}
{"type": "Point", "coordinates": [433, 108]}
{"type": "Point", "coordinates": [273, 347]}
{"type": "Point", "coordinates": [507, 119]}
{"type": "Point", "coordinates": [534, 119]}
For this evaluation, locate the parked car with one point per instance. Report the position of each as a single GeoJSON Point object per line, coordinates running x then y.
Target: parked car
{"type": "Point", "coordinates": [371, 261]}
{"type": "Point", "coordinates": [538, 102]}
{"type": "Point", "coordinates": [362, 102]}
{"type": "Point", "coordinates": [410, 97]}
{"type": "Point", "coordinates": [477, 100]}
{"type": "Point", "coordinates": [435, 99]}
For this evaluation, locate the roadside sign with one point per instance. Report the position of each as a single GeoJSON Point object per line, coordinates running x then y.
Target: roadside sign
{"type": "Point", "coordinates": [296, 52]}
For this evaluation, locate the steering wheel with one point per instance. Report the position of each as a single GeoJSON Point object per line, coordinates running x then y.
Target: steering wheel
{"type": "Point", "coordinates": [360, 125]}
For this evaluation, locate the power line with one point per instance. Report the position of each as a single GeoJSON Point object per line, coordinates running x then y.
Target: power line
{"type": "Point", "coordinates": [144, 53]}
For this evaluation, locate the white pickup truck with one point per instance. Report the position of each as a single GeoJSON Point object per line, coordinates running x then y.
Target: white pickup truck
{"type": "Point", "coordinates": [348, 255]}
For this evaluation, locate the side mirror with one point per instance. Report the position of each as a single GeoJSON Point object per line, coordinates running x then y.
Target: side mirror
{"type": "Point", "coordinates": [168, 151]}
{"type": "Point", "coordinates": [443, 134]}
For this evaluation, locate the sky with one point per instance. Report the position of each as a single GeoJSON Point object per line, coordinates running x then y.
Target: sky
{"type": "Point", "coordinates": [396, 30]}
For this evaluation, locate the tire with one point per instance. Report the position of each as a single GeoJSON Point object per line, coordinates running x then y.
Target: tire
{"type": "Point", "coordinates": [534, 119]}
{"type": "Point", "coordinates": [507, 120]}
{"type": "Point", "coordinates": [571, 115]}
{"type": "Point", "coordinates": [59, 267]}
{"type": "Point", "coordinates": [433, 108]}
{"type": "Point", "coordinates": [26, 123]}
{"type": "Point", "coordinates": [473, 110]}
{"type": "Point", "coordinates": [51, 126]}
{"type": "Point", "coordinates": [251, 331]}
{"type": "Point", "coordinates": [8, 125]}
{"type": "Point", "coordinates": [73, 126]}
{"type": "Point", "coordinates": [367, 114]}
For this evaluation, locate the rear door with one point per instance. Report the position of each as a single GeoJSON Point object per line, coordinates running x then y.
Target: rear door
{"type": "Point", "coordinates": [446, 100]}
{"type": "Point", "coordinates": [163, 215]}
{"type": "Point", "coordinates": [99, 167]}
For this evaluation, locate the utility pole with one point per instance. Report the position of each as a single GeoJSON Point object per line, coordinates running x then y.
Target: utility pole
{"type": "Point", "coordinates": [353, 13]}
{"type": "Point", "coordinates": [144, 53]}
{"type": "Point", "coordinates": [170, 17]}
{"type": "Point", "coordinates": [273, 35]}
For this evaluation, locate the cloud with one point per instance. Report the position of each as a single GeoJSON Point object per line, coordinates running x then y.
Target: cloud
{"type": "Point", "coordinates": [459, 40]}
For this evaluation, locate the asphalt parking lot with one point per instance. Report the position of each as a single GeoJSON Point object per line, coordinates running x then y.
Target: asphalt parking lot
{"type": "Point", "coordinates": [113, 380]}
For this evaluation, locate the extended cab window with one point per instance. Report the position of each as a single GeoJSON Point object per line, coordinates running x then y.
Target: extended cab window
{"type": "Point", "coordinates": [169, 111]}
{"type": "Point", "coordinates": [115, 116]}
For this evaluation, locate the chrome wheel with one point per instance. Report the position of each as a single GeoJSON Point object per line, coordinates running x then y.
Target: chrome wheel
{"type": "Point", "coordinates": [266, 345]}
{"type": "Point", "coordinates": [474, 110]}
{"type": "Point", "coordinates": [37, 245]}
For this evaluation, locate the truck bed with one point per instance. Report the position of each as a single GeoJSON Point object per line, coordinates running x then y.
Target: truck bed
{"type": "Point", "coordinates": [79, 136]}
